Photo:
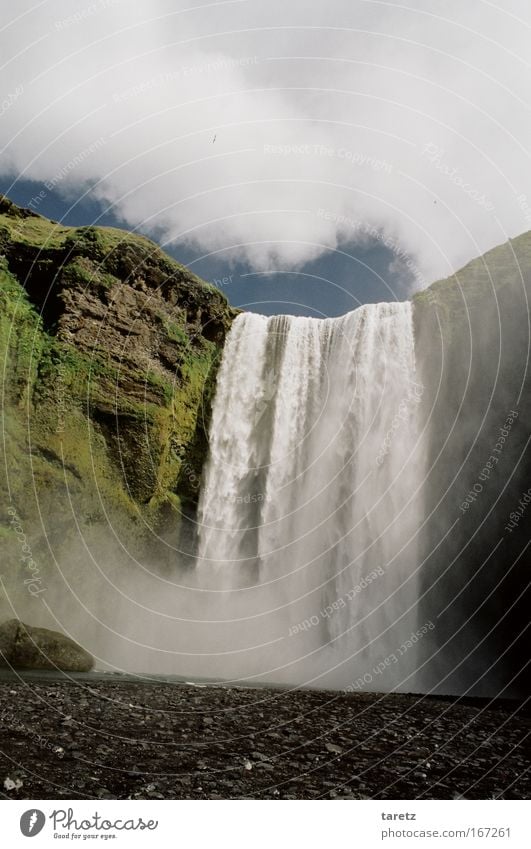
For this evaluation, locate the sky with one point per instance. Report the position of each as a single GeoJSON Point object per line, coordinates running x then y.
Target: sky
{"type": "Point", "coordinates": [335, 283]}
{"type": "Point", "coordinates": [304, 157]}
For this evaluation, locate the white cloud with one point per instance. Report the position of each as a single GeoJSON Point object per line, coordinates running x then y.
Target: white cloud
{"type": "Point", "coordinates": [410, 120]}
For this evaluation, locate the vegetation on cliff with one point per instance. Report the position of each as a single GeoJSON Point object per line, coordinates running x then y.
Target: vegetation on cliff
{"type": "Point", "coordinates": [109, 350]}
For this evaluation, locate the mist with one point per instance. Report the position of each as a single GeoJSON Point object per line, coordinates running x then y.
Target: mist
{"type": "Point", "coordinates": [146, 616]}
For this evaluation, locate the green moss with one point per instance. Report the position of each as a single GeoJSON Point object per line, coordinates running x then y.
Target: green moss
{"type": "Point", "coordinates": [161, 384]}
{"type": "Point", "coordinates": [21, 339]}
{"type": "Point", "coordinates": [117, 251]}
{"type": "Point", "coordinates": [177, 333]}
{"type": "Point", "coordinates": [92, 424]}
{"type": "Point", "coordinates": [34, 231]}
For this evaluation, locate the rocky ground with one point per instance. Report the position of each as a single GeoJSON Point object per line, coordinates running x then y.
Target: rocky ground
{"type": "Point", "coordinates": [113, 739]}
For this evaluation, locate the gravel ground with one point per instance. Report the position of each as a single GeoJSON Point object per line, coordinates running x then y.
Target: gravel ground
{"type": "Point", "coordinates": [114, 739]}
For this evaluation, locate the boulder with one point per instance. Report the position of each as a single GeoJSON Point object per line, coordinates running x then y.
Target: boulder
{"type": "Point", "coordinates": [25, 647]}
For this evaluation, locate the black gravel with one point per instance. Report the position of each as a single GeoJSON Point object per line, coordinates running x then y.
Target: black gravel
{"type": "Point", "coordinates": [125, 740]}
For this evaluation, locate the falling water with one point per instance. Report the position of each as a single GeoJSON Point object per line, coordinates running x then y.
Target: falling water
{"type": "Point", "coordinates": [309, 513]}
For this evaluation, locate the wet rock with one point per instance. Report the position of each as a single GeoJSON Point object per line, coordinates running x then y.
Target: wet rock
{"type": "Point", "coordinates": [259, 756]}
{"type": "Point", "coordinates": [12, 783]}
{"type": "Point", "coordinates": [25, 647]}
{"type": "Point", "coordinates": [333, 749]}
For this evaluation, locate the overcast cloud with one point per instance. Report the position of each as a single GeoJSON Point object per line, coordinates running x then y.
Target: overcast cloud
{"type": "Point", "coordinates": [279, 130]}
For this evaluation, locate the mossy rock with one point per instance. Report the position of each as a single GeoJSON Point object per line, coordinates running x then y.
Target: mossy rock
{"type": "Point", "coordinates": [109, 350]}
{"type": "Point", "coordinates": [25, 647]}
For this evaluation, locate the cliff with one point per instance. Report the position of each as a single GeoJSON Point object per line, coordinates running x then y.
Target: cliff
{"type": "Point", "coordinates": [109, 351]}
{"type": "Point", "coordinates": [473, 340]}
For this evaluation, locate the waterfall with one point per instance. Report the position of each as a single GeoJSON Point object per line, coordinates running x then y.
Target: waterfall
{"type": "Point", "coordinates": [309, 514]}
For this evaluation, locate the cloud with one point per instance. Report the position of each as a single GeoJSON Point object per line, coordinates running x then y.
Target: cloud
{"type": "Point", "coordinates": [274, 132]}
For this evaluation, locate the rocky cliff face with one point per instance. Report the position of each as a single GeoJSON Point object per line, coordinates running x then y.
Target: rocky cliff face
{"type": "Point", "coordinates": [473, 342]}
{"type": "Point", "coordinates": [109, 350]}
